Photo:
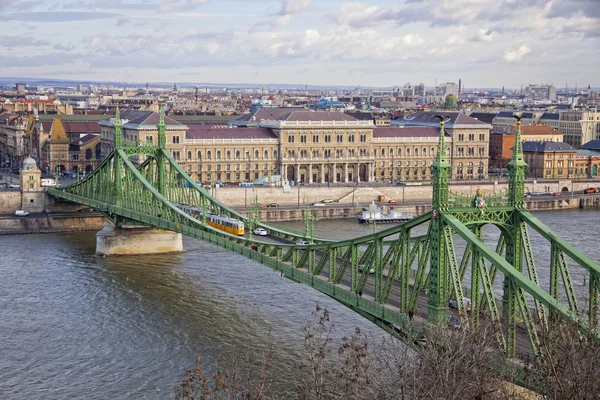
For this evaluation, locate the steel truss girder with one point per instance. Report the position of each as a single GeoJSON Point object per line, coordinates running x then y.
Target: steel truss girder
{"type": "Point", "coordinates": [454, 272]}
{"type": "Point", "coordinates": [146, 195]}
{"type": "Point", "coordinates": [519, 279]}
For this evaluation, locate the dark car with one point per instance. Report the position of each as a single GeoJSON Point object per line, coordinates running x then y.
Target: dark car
{"type": "Point", "coordinates": [272, 205]}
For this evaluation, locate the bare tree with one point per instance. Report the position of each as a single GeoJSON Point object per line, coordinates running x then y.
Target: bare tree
{"type": "Point", "coordinates": [234, 378]}
{"type": "Point", "coordinates": [568, 366]}
{"type": "Point", "coordinates": [449, 364]}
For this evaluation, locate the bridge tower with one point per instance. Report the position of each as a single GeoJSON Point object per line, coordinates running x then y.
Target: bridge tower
{"type": "Point", "coordinates": [125, 237]}
{"type": "Point", "coordinates": [118, 163]}
{"type": "Point", "coordinates": [161, 160]}
{"type": "Point", "coordinates": [440, 172]}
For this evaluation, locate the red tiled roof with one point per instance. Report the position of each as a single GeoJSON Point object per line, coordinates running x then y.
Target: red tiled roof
{"type": "Point", "coordinates": [81, 127]}
{"type": "Point", "coordinates": [72, 127]}
{"type": "Point", "coordinates": [408, 131]}
{"type": "Point", "coordinates": [536, 130]}
{"type": "Point", "coordinates": [205, 132]}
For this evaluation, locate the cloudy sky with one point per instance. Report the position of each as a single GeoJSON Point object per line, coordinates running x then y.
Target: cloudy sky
{"type": "Point", "coordinates": [487, 43]}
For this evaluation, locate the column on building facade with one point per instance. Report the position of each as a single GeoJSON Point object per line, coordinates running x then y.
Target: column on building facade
{"type": "Point", "coordinates": [297, 173]}
{"type": "Point", "coordinates": [322, 173]}
{"type": "Point", "coordinates": [310, 173]}
{"type": "Point", "coordinates": [345, 172]}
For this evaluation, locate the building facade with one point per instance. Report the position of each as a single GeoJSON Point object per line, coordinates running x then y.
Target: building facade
{"type": "Point", "coordinates": [13, 140]}
{"type": "Point", "coordinates": [469, 150]}
{"type": "Point", "coordinates": [313, 147]}
{"type": "Point", "coordinates": [578, 127]}
{"type": "Point", "coordinates": [549, 159]}
{"type": "Point", "coordinates": [501, 144]}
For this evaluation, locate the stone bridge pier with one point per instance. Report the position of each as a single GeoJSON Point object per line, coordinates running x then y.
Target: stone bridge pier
{"type": "Point", "coordinates": [113, 240]}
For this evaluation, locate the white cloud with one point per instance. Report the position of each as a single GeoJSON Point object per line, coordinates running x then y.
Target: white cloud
{"type": "Point", "coordinates": [351, 41]}
{"type": "Point", "coordinates": [516, 54]}
{"type": "Point", "coordinates": [180, 5]}
{"type": "Point", "coordinates": [356, 14]}
{"type": "Point", "coordinates": [291, 7]}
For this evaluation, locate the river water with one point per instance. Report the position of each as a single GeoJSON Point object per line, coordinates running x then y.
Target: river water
{"type": "Point", "coordinates": [76, 325]}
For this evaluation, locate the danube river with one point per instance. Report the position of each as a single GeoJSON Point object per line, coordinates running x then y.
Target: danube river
{"type": "Point", "coordinates": [75, 325]}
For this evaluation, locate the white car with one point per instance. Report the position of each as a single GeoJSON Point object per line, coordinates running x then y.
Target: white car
{"type": "Point", "coordinates": [318, 204]}
{"type": "Point", "coordinates": [303, 242]}
{"type": "Point", "coordinates": [260, 232]}
{"type": "Point", "coordinates": [327, 201]}
{"type": "Point", "coordinates": [14, 185]}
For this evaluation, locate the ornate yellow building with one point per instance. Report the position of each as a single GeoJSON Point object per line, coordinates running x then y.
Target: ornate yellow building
{"type": "Point", "coordinates": [310, 147]}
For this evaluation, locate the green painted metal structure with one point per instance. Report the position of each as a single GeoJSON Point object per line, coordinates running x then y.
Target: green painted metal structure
{"type": "Point", "coordinates": [140, 184]}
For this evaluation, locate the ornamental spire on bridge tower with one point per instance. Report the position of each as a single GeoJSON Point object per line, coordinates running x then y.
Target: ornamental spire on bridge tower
{"type": "Point", "coordinates": [440, 170]}
{"type": "Point", "coordinates": [516, 169]}
{"type": "Point", "coordinates": [118, 129]}
{"type": "Point", "coordinates": [162, 138]}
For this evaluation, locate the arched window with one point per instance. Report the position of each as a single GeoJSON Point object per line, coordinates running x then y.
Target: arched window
{"type": "Point", "coordinates": [209, 155]}
{"type": "Point", "coordinates": [416, 152]}
{"type": "Point", "coordinates": [424, 152]}
{"type": "Point", "coordinates": [391, 152]}
{"type": "Point", "coordinates": [256, 154]}
{"type": "Point", "coordinates": [237, 154]}
{"type": "Point", "coordinates": [228, 154]}
{"type": "Point", "coordinates": [218, 154]}
{"type": "Point", "coordinates": [399, 152]}
{"type": "Point", "coordinates": [189, 155]}
{"type": "Point", "coordinates": [274, 153]}
{"type": "Point", "coordinates": [408, 152]}
{"type": "Point", "coordinates": [88, 154]}
{"type": "Point", "coordinates": [382, 152]}
{"type": "Point", "coordinates": [432, 152]}
{"type": "Point", "coordinates": [266, 154]}
{"type": "Point", "coordinates": [199, 155]}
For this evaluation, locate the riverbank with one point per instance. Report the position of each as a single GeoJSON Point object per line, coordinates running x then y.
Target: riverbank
{"type": "Point", "coordinates": [59, 223]}
{"type": "Point", "coordinates": [337, 211]}
{"type": "Point", "coordinates": [76, 221]}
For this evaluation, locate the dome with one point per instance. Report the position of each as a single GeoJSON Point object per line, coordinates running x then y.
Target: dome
{"type": "Point", "coordinates": [451, 100]}
{"type": "Point", "coordinates": [29, 163]}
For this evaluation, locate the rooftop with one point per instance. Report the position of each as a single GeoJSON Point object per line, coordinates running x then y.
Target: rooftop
{"type": "Point", "coordinates": [537, 130]}
{"type": "Point", "coordinates": [409, 131]}
{"type": "Point", "coordinates": [261, 114]}
{"type": "Point", "coordinates": [483, 117]}
{"type": "Point", "coordinates": [547, 147]}
{"type": "Point", "coordinates": [592, 145]}
{"type": "Point", "coordinates": [303, 116]}
{"type": "Point", "coordinates": [206, 132]}
{"type": "Point", "coordinates": [429, 118]}
{"type": "Point", "coordinates": [136, 119]}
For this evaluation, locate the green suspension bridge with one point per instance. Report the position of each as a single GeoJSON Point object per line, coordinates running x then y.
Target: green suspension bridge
{"type": "Point", "coordinates": [412, 271]}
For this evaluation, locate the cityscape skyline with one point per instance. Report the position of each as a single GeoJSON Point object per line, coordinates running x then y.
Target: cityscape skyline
{"type": "Point", "coordinates": [328, 43]}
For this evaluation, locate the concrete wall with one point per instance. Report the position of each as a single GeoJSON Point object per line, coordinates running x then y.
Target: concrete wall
{"type": "Point", "coordinates": [240, 197]}
{"type": "Point", "coordinates": [10, 202]}
{"type": "Point", "coordinates": [16, 225]}
{"type": "Point", "coordinates": [128, 241]}
{"type": "Point", "coordinates": [13, 201]}
{"type": "Point", "coordinates": [34, 202]}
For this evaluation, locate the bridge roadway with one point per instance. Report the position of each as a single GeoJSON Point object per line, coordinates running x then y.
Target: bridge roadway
{"type": "Point", "coordinates": [523, 344]}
